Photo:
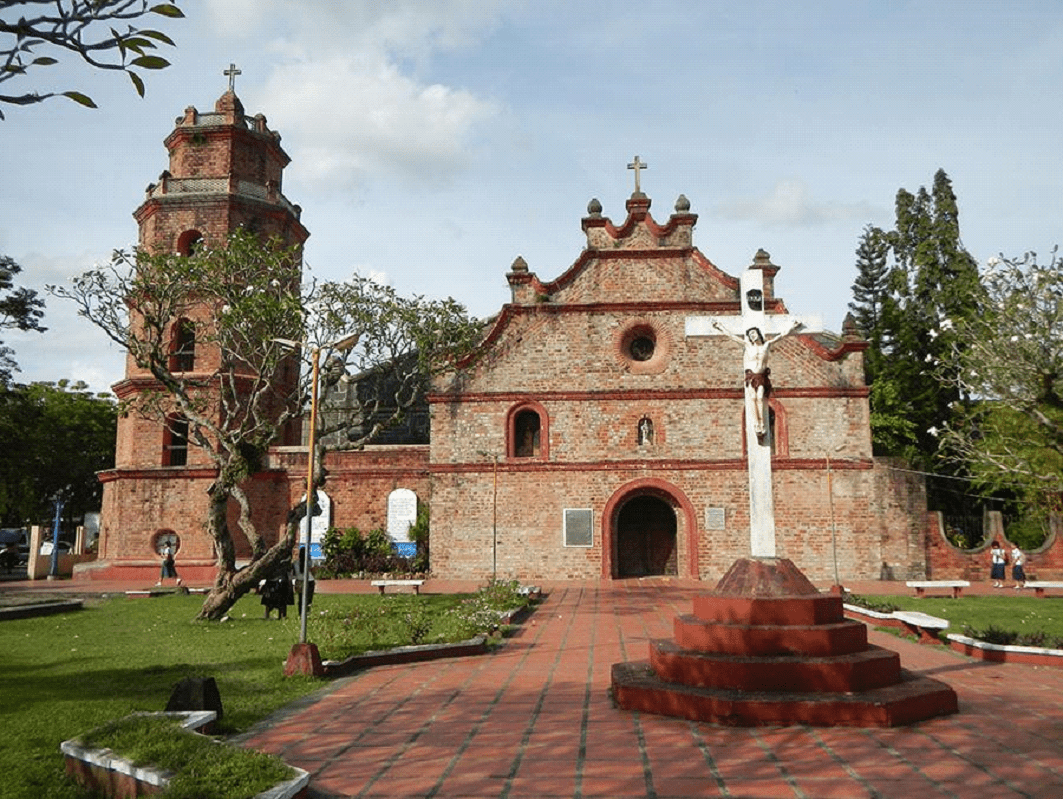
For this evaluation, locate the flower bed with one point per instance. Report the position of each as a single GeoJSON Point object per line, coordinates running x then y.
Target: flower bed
{"type": "Point", "coordinates": [103, 770]}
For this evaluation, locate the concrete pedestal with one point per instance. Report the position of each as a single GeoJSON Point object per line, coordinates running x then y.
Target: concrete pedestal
{"type": "Point", "coordinates": [766, 648]}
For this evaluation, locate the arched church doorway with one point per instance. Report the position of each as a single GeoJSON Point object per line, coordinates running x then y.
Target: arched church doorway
{"type": "Point", "coordinates": [646, 541]}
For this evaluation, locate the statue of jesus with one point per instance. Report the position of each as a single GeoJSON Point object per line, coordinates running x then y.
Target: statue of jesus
{"type": "Point", "coordinates": [758, 375]}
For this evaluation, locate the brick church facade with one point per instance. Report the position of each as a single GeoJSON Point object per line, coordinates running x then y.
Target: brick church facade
{"type": "Point", "coordinates": [589, 438]}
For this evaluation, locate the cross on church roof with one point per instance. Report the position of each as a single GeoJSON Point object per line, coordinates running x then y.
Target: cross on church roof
{"type": "Point", "coordinates": [232, 72]}
{"type": "Point", "coordinates": [637, 165]}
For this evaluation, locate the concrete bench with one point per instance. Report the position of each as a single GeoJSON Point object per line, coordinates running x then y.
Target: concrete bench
{"type": "Point", "coordinates": [922, 624]}
{"type": "Point", "coordinates": [1039, 586]}
{"type": "Point", "coordinates": [414, 584]}
{"type": "Point", "coordinates": [922, 586]}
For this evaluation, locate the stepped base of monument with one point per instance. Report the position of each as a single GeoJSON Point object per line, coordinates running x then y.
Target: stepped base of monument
{"type": "Point", "coordinates": [912, 699]}
{"type": "Point", "coordinates": [766, 648]}
{"type": "Point", "coordinates": [858, 671]}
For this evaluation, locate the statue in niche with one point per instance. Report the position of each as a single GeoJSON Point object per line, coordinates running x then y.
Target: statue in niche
{"type": "Point", "coordinates": [645, 436]}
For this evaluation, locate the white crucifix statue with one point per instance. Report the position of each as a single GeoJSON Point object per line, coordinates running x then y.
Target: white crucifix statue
{"type": "Point", "coordinates": [757, 332]}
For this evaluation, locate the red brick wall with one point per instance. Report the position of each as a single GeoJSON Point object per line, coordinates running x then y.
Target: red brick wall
{"type": "Point", "coordinates": [946, 562]}
{"type": "Point", "coordinates": [564, 351]}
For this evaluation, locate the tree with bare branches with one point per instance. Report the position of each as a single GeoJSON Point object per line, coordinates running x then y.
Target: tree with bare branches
{"type": "Point", "coordinates": [249, 307]}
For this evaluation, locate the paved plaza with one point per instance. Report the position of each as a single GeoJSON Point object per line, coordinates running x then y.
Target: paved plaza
{"type": "Point", "coordinates": [535, 720]}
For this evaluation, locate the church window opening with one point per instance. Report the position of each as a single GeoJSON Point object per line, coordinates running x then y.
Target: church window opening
{"type": "Point", "coordinates": [188, 242]}
{"type": "Point", "coordinates": [175, 441]}
{"type": "Point", "coordinates": [183, 346]}
{"type": "Point", "coordinates": [642, 345]}
{"type": "Point", "coordinates": [527, 434]}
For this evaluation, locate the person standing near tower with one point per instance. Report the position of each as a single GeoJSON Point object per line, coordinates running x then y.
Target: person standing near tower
{"type": "Point", "coordinates": [1018, 562]}
{"type": "Point", "coordinates": [997, 559]}
{"type": "Point", "coordinates": [169, 567]}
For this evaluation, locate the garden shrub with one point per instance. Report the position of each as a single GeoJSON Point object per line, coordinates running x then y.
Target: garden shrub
{"type": "Point", "coordinates": [351, 552]}
{"type": "Point", "coordinates": [995, 635]}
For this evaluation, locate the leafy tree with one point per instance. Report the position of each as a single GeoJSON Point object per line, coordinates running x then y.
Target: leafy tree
{"type": "Point", "coordinates": [1010, 358]}
{"type": "Point", "coordinates": [64, 434]}
{"type": "Point", "coordinates": [933, 284]}
{"type": "Point", "coordinates": [248, 306]}
{"type": "Point", "coordinates": [85, 28]}
{"type": "Point", "coordinates": [20, 309]}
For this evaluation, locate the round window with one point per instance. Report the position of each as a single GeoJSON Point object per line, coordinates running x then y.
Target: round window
{"type": "Point", "coordinates": [642, 348]}
{"type": "Point", "coordinates": [166, 538]}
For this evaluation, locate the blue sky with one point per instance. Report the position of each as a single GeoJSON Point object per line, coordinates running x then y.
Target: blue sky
{"type": "Point", "coordinates": [434, 142]}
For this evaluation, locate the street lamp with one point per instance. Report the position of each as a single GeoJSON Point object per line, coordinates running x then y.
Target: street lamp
{"type": "Point", "coordinates": [342, 345]}
{"type": "Point", "coordinates": [53, 572]}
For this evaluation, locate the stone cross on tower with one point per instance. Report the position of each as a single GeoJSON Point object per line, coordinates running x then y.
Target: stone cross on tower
{"type": "Point", "coordinates": [756, 331]}
{"type": "Point", "coordinates": [637, 165]}
{"type": "Point", "coordinates": [231, 73]}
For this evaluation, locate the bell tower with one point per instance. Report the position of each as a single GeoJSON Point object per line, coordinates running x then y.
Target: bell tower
{"type": "Point", "coordinates": [225, 172]}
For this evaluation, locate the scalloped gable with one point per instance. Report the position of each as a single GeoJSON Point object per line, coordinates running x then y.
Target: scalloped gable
{"type": "Point", "coordinates": [640, 261]}
{"type": "Point", "coordinates": [642, 264]}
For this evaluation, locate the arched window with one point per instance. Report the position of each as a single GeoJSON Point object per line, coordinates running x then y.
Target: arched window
{"type": "Point", "coordinates": [527, 429]}
{"type": "Point", "coordinates": [183, 346]}
{"type": "Point", "coordinates": [175, 441]}
{"type": "Point", "coordinates": [528, 434]}
{"type": "Point", "coordinates": [188, 242]}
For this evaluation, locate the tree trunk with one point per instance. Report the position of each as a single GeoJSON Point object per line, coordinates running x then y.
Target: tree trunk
{"type": "Point", "coordinates": [231, 583]}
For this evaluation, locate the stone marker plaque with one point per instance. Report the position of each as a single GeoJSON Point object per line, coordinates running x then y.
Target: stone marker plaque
{"type": "Point", "coordinates": [402, 514]}
{"type": "Point", "coordinates": [579, 527]}
{"type": "Point", "coordinates": [715, 519]}
{"type": "Point", "coordinates": [319, 525]}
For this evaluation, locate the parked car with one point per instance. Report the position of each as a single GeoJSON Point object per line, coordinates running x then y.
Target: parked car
{"type": "Point", "coordinates": [14, 548]}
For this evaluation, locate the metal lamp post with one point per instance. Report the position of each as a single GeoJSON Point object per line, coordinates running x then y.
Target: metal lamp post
{"type": "Point", "coordinates": [342, 345]}
{"type": "Point", "coordinates": [54, 570]}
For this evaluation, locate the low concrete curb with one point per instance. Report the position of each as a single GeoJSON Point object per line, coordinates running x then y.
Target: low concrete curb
{"type": "Point", "coordinates": [102, 769]}
{"type": "Point", "coordinates": [31, 611]}
{"type": "Point", "coordinates": [922, 625]}
{"type": "Point", "coordinates": [405, 654]}
{"type": "Point", "coordinates": [998, 653]}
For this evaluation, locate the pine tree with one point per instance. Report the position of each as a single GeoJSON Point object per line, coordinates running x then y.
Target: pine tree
{"type": "Point", "coordinates": [871, 292]}
{"type": "Point", "coordinates": [931, 286]}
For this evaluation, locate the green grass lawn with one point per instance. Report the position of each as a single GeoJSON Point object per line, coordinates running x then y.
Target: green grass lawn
{"type": "Point", "coordinates": [64, 675]}
{"type": "Point", "coordinates": [1013, 611]}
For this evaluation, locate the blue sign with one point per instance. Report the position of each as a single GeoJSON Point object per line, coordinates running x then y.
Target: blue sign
{"type": "Point", "coordinates": [405, 549]}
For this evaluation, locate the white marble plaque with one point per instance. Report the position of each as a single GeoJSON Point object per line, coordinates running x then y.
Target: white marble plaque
{"type": "Point", "coordinates": [319, 525]}
{"type": "Point", "coordinates": [402, 514]}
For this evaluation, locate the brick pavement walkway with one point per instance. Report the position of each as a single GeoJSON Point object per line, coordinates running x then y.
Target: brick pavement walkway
{"type": "Point", "coordinates": [535, 720]}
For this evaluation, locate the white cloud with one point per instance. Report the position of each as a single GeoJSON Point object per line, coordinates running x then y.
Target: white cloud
{"type": "Point", "coordinates": [789, 204]}
{"type": "Point", "coordinates": [345, 84]}
{"type": "Point", "coordinates": [346, 119]}
{"type": "Point", "coordinates": [407, 28]}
